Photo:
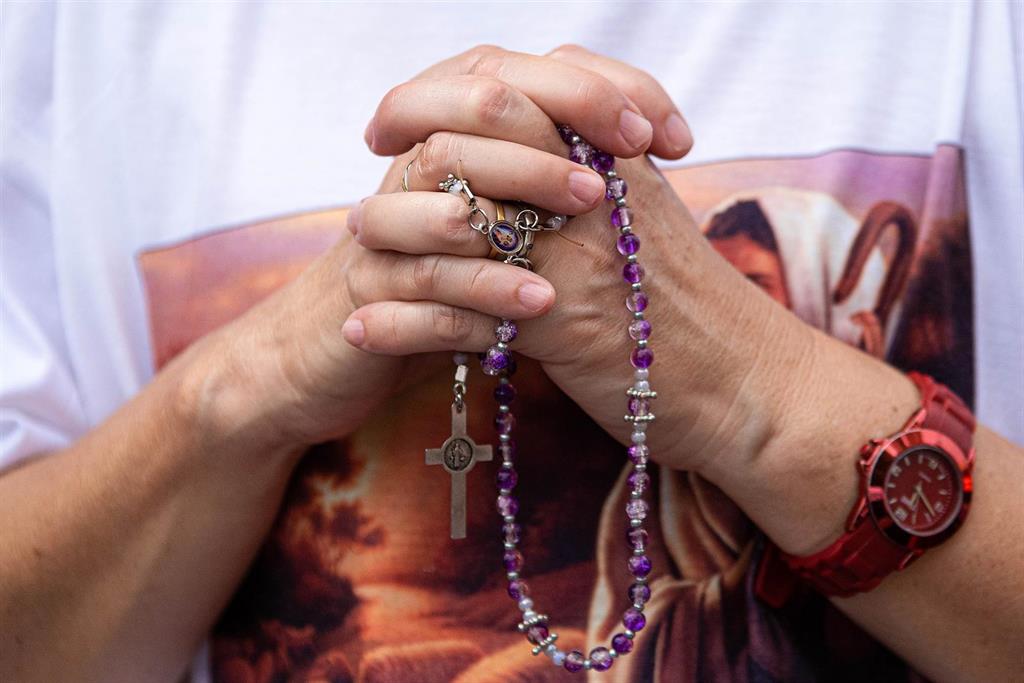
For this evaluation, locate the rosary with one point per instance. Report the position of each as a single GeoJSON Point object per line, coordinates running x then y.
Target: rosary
{"type": "Point", "coordinates": [512, 241]}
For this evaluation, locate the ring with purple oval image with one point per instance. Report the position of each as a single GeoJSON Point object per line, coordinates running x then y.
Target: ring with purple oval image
{"type": "Point", "coordinates": [505, 237]}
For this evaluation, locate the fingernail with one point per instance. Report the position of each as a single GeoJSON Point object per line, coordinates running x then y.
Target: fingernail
{"type": "Point", "coordinates": [353, 331]}
{"type": "Point", "coordinates": [586, 186]}
{"type": "Point", "coordinates": [353, 218]}
{"type": "Point", "coordinates": [677, 132]}
{"type": "Point", "coordinates": [635, 129]}
{"type": "Point", "coordinates": [534, 296]}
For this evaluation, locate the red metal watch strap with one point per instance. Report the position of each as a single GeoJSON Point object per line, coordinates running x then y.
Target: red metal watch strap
{"type": "Point", "coordinates": [856, 562]}
{"type": "Point", "coordinates": [944, 411]}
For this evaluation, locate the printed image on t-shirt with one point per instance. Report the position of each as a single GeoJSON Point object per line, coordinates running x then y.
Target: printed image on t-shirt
{"type": "Point", "coordinates": [358, 579]}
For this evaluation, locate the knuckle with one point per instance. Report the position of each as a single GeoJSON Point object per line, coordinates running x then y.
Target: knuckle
{"type": "Point", "coordinates": [390, 103]}
{"type": "Point", "coordinates": [593, 91]}
{"type": "Point", "coordinates": [566, 50]}
{"type": "Point", "coordinates": [433, 157]}
{"type": "Point", "coordinates": [454, 229]}
{"type": "Point", "coordinates": [478, 278]}
{"type": "Point", "coordinates": [425, 273]}
{"type": "Point", "coordinates": [484, 60]}
{"type": "Point", "coordinates": [491, 100]}
{"type": "Point", "coordinates": [451, 325]}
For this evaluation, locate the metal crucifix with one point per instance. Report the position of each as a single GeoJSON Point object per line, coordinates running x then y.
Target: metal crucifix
{"type": "Point", "coordinates": [458, 454]}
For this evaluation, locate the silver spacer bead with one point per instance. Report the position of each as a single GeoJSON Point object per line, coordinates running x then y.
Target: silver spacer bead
{"type": "Point", "coordinates": [610, 174]}
{"type": "Point", "coordinates": [629, 634]}
{"type": "Point", "coordinates": [509, 519]}
{"type": "Point", "coordinates": [612, 653]}
{"type": "Point", "coordinates": [626, 229]}
{"type": "Point", "coordinates": [636, 286]}
{"type": "Point", "coordinates": [502, 345]}
{"type": "Point", "coordinates": [640, 467]}
{"type": "Point", "coordinates": [504, 437]}
{"type": "Point", "coordinates": [638, 315]}
{"type": "Point", "coordinates": [639, 420]}
{"type": "Point", "coordinates": [510, 546]}
{"type": "Point", "coordinates": [504, 492]}
{"type": "Point", "coordinates": [587, 664]}
{"type": "Point", "coordinates": [631, 258]}
{"type": "Point", "coordinates": [639, 551]}
{"type": "Point", "coordinates": [642, 343]}
{"type": "Point", "coordinates": [621, 201]}
{"type": "Point", "coordinates": [512, 576]}
{"type": "Point", "coordinates": [639, 606]}
{"type": "Point", "coordinates": [503, 408]}
{"type": "Point", "coordinates": [575, 140]}
{"type": "Point", "coordinates": [635, 523]}
{"type": "Point", "coordinates": [635, 495]}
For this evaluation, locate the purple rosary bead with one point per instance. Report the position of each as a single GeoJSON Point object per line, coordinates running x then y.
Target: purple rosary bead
{"type": "Point", "coordinates": [622, 216]}
{"type": "Point", "coordinates": [536, 633]}
{"type": "Point", "coordinates": [639, 593]}
{"type": "Point", "coordinates": [616, 189]}
{"type": "Point", "coordinates": [636, 509]}
{"type": "Point", "coordinates": [506, 331]}
{"type": "Point", "coordinates": [601, 659]}
{"type": "Point", "coordinates": [641, 358]}
{"type": "Point", "coordinates": [512, 560]}
{"type": "Point", "coordinates": [637, 538]}
{"type": "Point", "coordinates": [504, 393]}
{"type": "Point", "coordinates": [639, 481]}
{"type": "Point", "coordinates": [639, 329]}
{"type": "Point", "coordinates": [634, 619]}
{"type": "Point", "coordinates": [602, 162]}
{"type": "Point", "coordinates": [507, 478]}
{"type": "Point", "coordinates": [639, 566]}
{"type": "Point", "coordinates": [566, 133]}
{"type": "Point", "coordinates": [632, 272]}
{"type": "Point", "coordinates": [636, 302]}
{"type": "Point", "coordinates": [622, 643]}
{"type": "Point", "coordinates": [580, 153]}
{"type": "Point", "coordinates": [628, 244]}
{"type": "Point", "coordinates": [517, 589]}
{"type": "Point", "coordinates": [495, 360]}
{"type": "Point", "coordinates": [574, 661]}
{"type": "Point", "coordinates": [507, 506]}
{"type": "Point", "coordinates": [512, 532]}
{"type": "Point", "coordinates": [638, 453]}
{"type": "Point", "coordinates": [504, 422]}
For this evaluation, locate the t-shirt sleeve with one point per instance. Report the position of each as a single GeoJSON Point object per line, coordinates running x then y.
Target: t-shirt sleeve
{"type": "Point", "coordinates": [40, 406]}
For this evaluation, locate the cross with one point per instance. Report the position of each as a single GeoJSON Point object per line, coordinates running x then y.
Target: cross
{"type": "Point", "coordinates": [457, 455]}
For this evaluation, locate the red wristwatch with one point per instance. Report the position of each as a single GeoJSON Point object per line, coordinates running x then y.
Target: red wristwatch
{"type": "Point", "coordinates": [915, 493]}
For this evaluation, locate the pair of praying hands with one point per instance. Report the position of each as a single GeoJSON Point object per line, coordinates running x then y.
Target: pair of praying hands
{"type": "Point", "coordinates": [412, 278]}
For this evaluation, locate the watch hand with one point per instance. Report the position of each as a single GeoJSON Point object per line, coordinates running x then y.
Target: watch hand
{"type": "Point", "coordinates": [910, 502]}
{"type": "Point", "coordinates": [920, 494]}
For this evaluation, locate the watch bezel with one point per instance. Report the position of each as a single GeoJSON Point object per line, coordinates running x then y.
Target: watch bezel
{"type": "Point", "coordinates": [886, 454]}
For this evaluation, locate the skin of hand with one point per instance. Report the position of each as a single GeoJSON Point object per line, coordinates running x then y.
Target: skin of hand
{"type": "Point", "coordinates": [767, 408]}
{"type": "Point", "coordinates": [162, 506]}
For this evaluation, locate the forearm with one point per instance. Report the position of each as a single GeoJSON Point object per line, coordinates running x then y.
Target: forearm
{"type": "Point", "coordinates": [120, 551]}
{"type": "Point", "coordinates": [954, 613]}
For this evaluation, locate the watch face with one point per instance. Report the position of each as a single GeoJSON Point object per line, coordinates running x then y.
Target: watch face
{"type": "Point", "coordinates": [923, 493]}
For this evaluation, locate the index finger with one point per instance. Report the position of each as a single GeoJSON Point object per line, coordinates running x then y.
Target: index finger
{"type": "Point", "coordinates": [587, 101]}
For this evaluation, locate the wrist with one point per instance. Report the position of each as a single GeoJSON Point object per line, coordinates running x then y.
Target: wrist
{"type": "Point", "coordinates": [802, 481]}
{"type": "Point", "coordinates": [222, 403]}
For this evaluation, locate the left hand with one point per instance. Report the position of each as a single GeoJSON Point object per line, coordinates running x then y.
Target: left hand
{"type": "Point", "coordinates": [714, 332]}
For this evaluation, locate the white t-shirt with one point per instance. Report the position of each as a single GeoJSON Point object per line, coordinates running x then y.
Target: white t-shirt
{"type": "Point", "coordinates": [127, 128]}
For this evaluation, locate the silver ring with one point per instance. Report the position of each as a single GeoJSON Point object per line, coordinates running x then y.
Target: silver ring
{"type": "Point", "coordinates": [404, 176]}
